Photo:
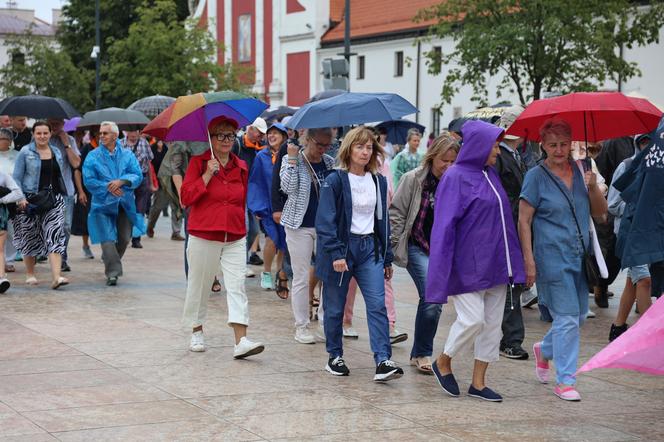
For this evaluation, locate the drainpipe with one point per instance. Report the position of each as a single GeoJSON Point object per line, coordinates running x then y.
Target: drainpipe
{"type": "Point", "coordinates": [417, 81]}
{"type": "Point", "coordinates": [622, 58]}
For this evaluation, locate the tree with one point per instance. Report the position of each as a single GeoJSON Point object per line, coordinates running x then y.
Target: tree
{"type": "Point", "coordinates": [539, 45]}
{"type": "Point", "coordinates": [76, 32]}
{"type": "Point", "coordinates": [36, 67]}
{"type": "Point", "coordinates": [161, 55]}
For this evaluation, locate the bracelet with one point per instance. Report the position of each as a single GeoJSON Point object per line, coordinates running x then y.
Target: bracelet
{"type": "Point", "coordinates": [292, 158]}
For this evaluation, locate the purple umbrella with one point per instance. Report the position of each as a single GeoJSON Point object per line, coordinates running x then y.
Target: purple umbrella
{"type": "Point", "coordinates": [70, 125]}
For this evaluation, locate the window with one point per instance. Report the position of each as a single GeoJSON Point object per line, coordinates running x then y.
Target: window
{"type": "Point", "coordinates": [398, 64]}
{"type": "Point", "coordinates": [360, 67]}
{"type": "Point", "coordinates": [18, 57]}
{"type": "Point", "coordinates": [435, 121]}
{"type": "Point", "coordinates": [244, 38]}
{"type": "Point", "coordinates": [437, 59]}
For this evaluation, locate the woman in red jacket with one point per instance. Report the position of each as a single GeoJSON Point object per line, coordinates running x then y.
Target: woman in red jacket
{"type": "Point", "coordinates": [215, 192]}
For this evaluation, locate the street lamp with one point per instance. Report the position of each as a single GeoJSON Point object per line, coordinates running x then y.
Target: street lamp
{"type": "Point", "coordinates": [95, 55]}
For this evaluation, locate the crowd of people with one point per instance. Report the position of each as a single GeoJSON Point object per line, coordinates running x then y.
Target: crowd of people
{"type": "Point", "coordinates": [493, 215]}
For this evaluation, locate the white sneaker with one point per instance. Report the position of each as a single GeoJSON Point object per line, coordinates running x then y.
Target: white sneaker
{"type": "Point", "coordinates": [197, 341]}
{"type": "Point", "coordinates": [319, 334]}
{"type": "Point", "coordinates": [397, 336]}
{"type": "Point", "coordinates": [250, 273]}
{"type": "Point", "coordinates": [591, 314]}
{"type": "Point", "coordinates": [304, 336]}
{"type": "Point", "coordinates": [247, 348]}
{"type": "Point", "coordinates": [349, 332]}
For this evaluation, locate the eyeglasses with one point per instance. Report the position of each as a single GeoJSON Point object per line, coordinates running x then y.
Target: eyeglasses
{"type": "Point", "coordinates": [321, 145]}
{"type": "Point", "coordinates": [221, 136]}
{"type": "Point", "coordinates": [105, 133]}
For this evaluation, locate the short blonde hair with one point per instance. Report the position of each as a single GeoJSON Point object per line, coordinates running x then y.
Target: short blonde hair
{"type": "Point", "coordinates": [441, 145]}
{"type": "Point", "coordinates": [555, 126]}
{"type": "Point", "coordinates": [360, 135]}
{"type": "Point", "coordinates": [413, 132]}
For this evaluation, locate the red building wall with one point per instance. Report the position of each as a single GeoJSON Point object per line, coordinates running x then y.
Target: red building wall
{"type": "Point", "coordinates": [297, 73]}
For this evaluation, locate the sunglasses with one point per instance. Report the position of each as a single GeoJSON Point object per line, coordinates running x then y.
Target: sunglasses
{"type": "Point", "coordinates": [105, 133]}
{"type": "Point", "coordinates": [221, 136]}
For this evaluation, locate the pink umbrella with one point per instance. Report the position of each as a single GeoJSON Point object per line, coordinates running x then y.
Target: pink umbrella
{"type": "Point", "coordinates": [640, 348]}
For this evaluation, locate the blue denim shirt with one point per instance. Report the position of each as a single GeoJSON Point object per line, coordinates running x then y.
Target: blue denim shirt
{"type": "Point", "coordinates": [28, 168]}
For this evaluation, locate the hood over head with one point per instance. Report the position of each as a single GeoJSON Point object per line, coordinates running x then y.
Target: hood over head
{"type": "Point", "coordinates": [478, 139]}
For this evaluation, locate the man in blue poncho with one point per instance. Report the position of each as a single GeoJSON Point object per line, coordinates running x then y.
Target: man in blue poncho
{"type": "Point", "coordinates": [111, 173]}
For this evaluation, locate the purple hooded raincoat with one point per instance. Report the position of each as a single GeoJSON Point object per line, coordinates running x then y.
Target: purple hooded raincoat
{"type": "Point", "coordinates": [468, 247]}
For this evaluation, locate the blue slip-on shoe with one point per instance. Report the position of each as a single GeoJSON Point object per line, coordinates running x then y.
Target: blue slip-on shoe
{"type": "Point", "coordinates": [486, 393]}
{"type": "Point", "coordinates": [447, 382]}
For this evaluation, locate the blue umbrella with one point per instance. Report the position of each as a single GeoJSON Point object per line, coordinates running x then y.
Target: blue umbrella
{"type": "Point", "coordinates": [397, 130]}
{"type": "Point", "coordinates": [351, 108]}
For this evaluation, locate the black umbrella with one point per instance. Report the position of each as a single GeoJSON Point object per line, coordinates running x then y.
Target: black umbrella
{"type": "Point", "coordinates": [124, 118]}
{"type": "Point", "coordinates": [271, 114]}
{"type": "Point", "coordinates": [37, 106]}
{"type": "Point", "coordinates": [152, 106]}
{"type": "Point", "coordinates": [326, 94]}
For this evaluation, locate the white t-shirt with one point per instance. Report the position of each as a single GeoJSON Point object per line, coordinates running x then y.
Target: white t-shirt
{"type": "Point", "coordinates": [363, 193]}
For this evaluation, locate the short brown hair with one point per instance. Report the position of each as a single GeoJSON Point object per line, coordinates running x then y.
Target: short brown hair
{"type": "Point", "coordinates": [360, 135]}
{"type": "Point", "coordinates": [555, 126]}
{"type": "Point", "coordinates": [440, 145]}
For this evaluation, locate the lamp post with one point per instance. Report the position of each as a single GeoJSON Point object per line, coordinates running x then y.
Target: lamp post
{"type": "Point", "coordinates": [96, 56]}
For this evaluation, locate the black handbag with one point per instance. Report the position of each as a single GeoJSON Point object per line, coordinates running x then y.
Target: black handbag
{"type": "Point", "coordinates": [44, 200]}
{"type": "Point", "coordinates": [589, 264]}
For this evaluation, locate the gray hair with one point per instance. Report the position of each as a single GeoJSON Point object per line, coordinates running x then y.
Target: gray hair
{"type": "Point", "coordinates": [412, 132]}
{"type": "Point", "coordinates": [112, 125]}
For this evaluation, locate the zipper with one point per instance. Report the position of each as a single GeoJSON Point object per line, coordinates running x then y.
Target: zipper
{"type": "Point", "coordinates": [507, 247]}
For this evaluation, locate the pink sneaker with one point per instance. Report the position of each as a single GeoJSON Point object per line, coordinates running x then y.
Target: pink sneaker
{"type": "Point", "coordinates": [567, 392]}
{"type": "Point", "coordinates": [541, 364]}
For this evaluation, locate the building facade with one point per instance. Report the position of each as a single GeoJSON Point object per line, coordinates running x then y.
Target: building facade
{"type": "Point", "coordinates": [17, 22]}
{"type": "Point", "coordinates": [285, 41]}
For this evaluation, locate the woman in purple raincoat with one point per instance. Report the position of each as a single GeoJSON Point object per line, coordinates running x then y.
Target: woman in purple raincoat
{"type": "Point", "coordinates": [474, 255]}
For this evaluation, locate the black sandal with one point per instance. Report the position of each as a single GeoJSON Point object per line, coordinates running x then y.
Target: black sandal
{"type": "Point", "coordinates": [216, 286]}
{"type": "Point", "coordinates": [282, 286]}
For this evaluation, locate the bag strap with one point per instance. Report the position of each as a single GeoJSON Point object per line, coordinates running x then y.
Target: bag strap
{"type": "Point", "coordinates": [571, 206]}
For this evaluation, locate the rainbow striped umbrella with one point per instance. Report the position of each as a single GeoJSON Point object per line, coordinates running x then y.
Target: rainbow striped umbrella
{"type": "Point", "coordinates": [188, 117]}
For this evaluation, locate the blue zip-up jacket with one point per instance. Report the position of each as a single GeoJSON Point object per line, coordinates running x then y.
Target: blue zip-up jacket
{"type": "Point", "coordinates": [333, 221]}
{"type": "Point", "coordinates": [28, 167]}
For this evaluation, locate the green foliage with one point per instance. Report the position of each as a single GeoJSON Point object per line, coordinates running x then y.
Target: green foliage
{"type": "Point", "coordinates": [161, 56]}
{"type": "Point", "coordinates": [44, 70]}
{"type": "Point", "coordinates": [539, 45]}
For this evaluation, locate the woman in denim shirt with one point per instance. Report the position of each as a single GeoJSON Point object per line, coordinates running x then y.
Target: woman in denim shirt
{"type": "Point", "coordinates": [553, 252]}
{"type": "Point", "coordinates": [38, 167]}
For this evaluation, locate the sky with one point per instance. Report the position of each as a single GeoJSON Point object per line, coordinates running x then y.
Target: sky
{"type": "Point", "coordinates": [42, 7]}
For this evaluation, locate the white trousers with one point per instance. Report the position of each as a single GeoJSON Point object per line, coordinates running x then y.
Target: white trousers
{"type": "Point", "coordinates": [301, 244]}
{"type": "Point", "coordinates": [204, 258]}
{"type": "Point", "coordinates": [479, 318]}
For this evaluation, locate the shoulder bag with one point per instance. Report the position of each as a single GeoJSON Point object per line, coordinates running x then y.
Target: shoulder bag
{"type": "Point", "coordinates": [44, 200]}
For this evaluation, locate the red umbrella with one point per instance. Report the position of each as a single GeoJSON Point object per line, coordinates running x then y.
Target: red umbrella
{"type": "Point", "coordinates": [593, 116]}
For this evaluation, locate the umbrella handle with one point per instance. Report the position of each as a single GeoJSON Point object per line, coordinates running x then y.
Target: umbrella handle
{"type": "Point", "coordinates": [211, 150]}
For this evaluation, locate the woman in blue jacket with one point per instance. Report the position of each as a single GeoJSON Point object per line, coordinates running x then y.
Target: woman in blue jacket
{"type": "Point", "coordinates": [353, 233]}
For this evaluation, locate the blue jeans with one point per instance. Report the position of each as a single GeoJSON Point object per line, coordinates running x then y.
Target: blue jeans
{"type": "Point", "coordinates": [561, 344]}
{"type": "Point", "coordinates": [369, 274]}
{"type": "Point", "coordinates": [428, 314]}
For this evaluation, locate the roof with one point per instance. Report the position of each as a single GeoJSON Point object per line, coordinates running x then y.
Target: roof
{"type": "Point", "coordinates": [375, 17]}
{"type": "Point", "coordinates": [17, 26]}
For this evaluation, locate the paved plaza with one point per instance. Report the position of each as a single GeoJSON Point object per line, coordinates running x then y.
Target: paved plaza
{"type": "Point", "coordinates": [91, 363]}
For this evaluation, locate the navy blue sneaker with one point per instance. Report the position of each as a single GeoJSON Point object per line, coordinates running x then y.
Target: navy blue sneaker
{"type": "Point", "coordinates": [486, 393]}
{"type": "Point", "coordinates": [447, 382]}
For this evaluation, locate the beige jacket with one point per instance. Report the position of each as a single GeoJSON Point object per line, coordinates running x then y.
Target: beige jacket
{"type": "Point", "coordinates": [403, 211]}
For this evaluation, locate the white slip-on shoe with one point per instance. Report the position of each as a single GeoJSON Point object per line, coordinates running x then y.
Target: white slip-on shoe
{"type": "Point", "coordinates": [247, 348]}
{"type": "Point", "coordinates": [304, 336]}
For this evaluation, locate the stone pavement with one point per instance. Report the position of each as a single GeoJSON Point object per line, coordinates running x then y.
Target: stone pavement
{"type": "Point", "coordinates": [95, 363]}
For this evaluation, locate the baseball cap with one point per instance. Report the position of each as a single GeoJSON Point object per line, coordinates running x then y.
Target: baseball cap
{"type": "Point", "coordinates": [280, 127]}
{"type": "Point", "coordinates": [508, 118]}
{"type": "Point", "coordinates": [260, 124]}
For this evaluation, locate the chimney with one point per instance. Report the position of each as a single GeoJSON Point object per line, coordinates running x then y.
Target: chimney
{"type": "Point", "coordinates": [56, 17]}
